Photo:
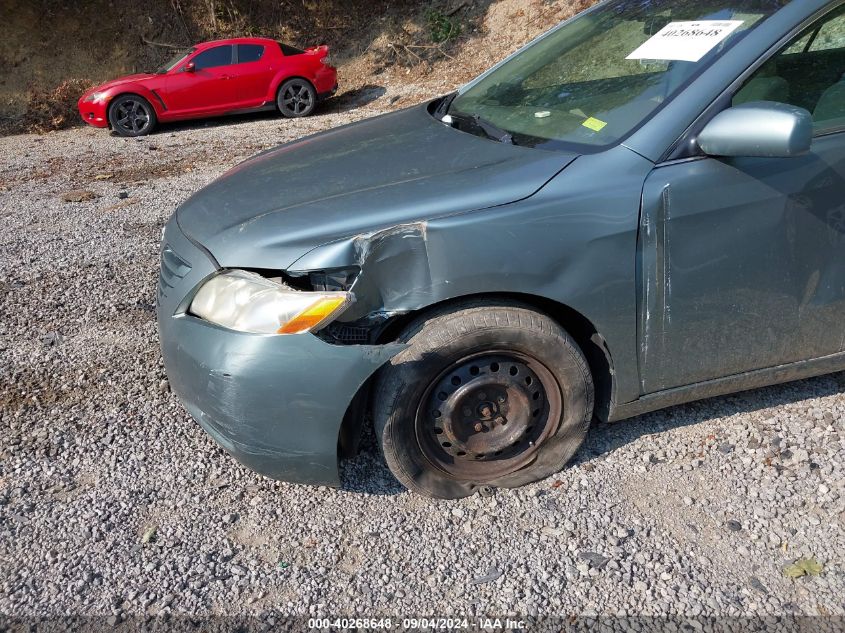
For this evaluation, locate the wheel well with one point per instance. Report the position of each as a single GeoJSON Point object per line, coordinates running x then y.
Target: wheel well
{"type": "Point", "coordinates": [282, 83]}
{"type": "Point", "coordinates": [577, 325]}
{"type": "Point", "coordinates": [580, 328]}
{"type": "Point", "coordinates": [128, 94]}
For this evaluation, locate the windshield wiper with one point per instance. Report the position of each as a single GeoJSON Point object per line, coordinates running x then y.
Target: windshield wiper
{"type": "Point", "coordinates": [491, 130]}
{"type": "Point", "coordinates": [443, 106]}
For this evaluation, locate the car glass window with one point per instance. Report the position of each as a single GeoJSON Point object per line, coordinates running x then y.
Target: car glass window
{"type": "Point", "coordinates": [249, 53]}
{"type": "Point", "coordinates": [800, 45]}
{"type": "Point", "coordinates": [809, 72]}
{"type": "Point", "coordinates": [174, 61]}
{"type": "Point", "coordinates": [213, 57]}
{"type": "Point", "coordinates": [831, 35]}
{"type": "Point", "coordinates": [593, 81]}
{"type": "Point", "coordinates": [289, 51]}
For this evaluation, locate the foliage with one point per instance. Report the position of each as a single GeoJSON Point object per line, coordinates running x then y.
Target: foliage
{"type": "Point", "coordinates": [54, 109]}
{"type": "Point", "coordinates": [803, 567]}
{"type": "Point", "coordinates": [441, 27]}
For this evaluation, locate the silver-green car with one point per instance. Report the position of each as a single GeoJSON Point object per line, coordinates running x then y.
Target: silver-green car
{"type": "Point", "coordinates": [643, 207]}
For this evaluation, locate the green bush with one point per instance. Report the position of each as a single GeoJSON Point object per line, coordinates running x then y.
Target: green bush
{"type": "Point", "coordinates": [442, 28]}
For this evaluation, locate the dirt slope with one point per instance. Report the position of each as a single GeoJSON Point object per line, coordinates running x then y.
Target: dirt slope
{"type": "Point", "coordinates": [401, 49]}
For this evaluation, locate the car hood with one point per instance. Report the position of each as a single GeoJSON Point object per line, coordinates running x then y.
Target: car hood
{"type": "Point", "coordinates": [123, 80]}
{"type": "Point", "coordinates": [393, 169]}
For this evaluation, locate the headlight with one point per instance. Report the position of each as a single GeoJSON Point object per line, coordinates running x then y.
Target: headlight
{"type": "Point", "coordinates": [95, 96]}
{"type": "Point", "coordinates": [247, 302]}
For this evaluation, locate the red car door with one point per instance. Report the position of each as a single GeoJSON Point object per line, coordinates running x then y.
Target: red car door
{"type": "Point", "coordinates": [253, 73]}
{"type": "Point", "coordinates": [203, 84]}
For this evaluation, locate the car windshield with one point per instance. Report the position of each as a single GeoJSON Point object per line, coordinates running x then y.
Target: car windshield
{"type": "Point", "coordinates": [174, 61]}
{"type": "Point", "coordinates": [593, 81]}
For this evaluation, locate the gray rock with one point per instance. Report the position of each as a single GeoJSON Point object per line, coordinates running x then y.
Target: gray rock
{"type": "Point", "coordinates": [595, 559]}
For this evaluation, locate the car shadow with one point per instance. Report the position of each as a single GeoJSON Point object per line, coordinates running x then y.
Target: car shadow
{"type": "Point", "coordinates": [367, 473]}
{"type": "Point", "coordinates": [171, 127]}
{"type": "Point", "coordinates": [342, 102]}
{"type": "Point", "coordinates": [351, 99]}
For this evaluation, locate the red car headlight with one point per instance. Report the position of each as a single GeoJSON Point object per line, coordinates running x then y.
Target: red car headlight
{"type": "Point", "coordinates": [94, 97]}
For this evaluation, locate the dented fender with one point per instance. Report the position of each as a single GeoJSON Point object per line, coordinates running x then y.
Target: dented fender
{"type": "Point", "coordinates": [571, 243]}
{"type": "Point", "coordinates": [396, 270]}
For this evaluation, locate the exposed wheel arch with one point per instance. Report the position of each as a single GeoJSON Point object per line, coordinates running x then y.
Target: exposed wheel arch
{"type": "Point", "coordinates": [580, 328]}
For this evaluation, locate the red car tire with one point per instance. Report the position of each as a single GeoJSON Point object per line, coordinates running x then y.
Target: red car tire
{"type": "Point", "coordinates": [131, 115]}
{"type": "Point", "coordinates": [296, 98]}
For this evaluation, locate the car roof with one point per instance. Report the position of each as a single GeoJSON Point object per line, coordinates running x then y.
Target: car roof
{"type": "Point", "coordinates": [235, 40]}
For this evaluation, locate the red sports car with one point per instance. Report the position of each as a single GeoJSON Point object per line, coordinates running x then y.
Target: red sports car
{"type": "Point", "coordinates": [212, 79]}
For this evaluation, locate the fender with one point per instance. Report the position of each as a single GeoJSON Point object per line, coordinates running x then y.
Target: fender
{"type": "Point", "coordinates": [281, 78]}
{"type": "Point", "coordinates": [587, 267]}
{"type": "Point", "coordinates": [151, 96]}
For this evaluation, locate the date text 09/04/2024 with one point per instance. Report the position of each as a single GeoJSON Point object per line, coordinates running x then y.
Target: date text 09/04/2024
{"type": "Point", "coordinates": [415, 624]}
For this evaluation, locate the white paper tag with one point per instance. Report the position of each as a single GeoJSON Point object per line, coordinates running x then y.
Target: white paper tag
{"type": "Point", "coordinates": [686, 41]}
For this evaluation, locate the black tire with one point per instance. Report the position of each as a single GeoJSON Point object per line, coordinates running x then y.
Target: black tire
{"type": "Point", "coordinates": [296, 98]}
{"type": "Point", "coordinates": [467, 374]}
{"type": "Point", "coordinates": [132, 115]}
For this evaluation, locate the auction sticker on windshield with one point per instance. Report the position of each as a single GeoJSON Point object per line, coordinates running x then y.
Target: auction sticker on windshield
{"type": "Point", "coordinates": [686, 41]}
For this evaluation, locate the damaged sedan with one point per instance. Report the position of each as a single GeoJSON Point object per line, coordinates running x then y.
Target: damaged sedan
{"type": "Point", "coordinates": [643, 207]}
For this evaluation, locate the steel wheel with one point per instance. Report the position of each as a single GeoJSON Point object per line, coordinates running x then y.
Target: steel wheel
{"type": "Point", "coordinates": [131, 115]}
{"type": "Point", "coordinates": [487, 416]}
{"type": "Point", "coordinates": [483, 394]}
{"type": "Point", "coordinates": [297, 98]}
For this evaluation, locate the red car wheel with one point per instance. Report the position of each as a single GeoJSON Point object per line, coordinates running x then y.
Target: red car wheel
{"type": "Point", "coordinates": [131, 115]}
{"type": "Point", "coordinates": [296, 98]}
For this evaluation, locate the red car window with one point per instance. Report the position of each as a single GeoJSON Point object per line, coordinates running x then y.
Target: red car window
{"type": "Point", "coordinates": [249, 53]}
{"type": "Point", "coordinates": [217, 56]}
{"type": "Point", "coordinates": [289, 51]}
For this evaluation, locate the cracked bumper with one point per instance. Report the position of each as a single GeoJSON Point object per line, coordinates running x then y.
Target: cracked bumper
{"type": "Point", "coordinates": [275, 403]}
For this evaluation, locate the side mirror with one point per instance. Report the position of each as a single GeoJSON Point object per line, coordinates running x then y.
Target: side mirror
{"type": "Point", "coordinates": [763, 129]}
{"type": "Point", "coordinates": [189, 67]}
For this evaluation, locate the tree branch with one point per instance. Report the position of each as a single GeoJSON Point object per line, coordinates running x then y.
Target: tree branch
{"type": "Point", "coordinates": [162, 44]}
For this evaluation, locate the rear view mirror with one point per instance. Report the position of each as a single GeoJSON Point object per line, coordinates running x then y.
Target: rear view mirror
{"type": "Point", "coordinates": [762, 128]}
{"type": "Point", "coordinates": [189, 67]}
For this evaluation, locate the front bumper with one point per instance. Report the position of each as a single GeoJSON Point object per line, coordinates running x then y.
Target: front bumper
{"type": "Point", "coordinates": [275, 403]}
{"type": "Point", "coordinates": [93, 113]}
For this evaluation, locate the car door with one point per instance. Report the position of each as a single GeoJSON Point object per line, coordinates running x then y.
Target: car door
{"type": "Point", "coordinates": [205, 87]}
{"type": "Point", "coordinates": [742, 260]}
{"type": "Point", "coordinates": [252, 75]}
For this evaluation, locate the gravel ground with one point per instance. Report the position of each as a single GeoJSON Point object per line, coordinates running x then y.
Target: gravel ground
{"type": "Point", "coordinates": [113, 502]}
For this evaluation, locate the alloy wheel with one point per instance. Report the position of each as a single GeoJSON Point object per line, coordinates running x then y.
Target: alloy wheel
{"type": "Point", "coordinates": [297, 99]}
{"type": "Point", "coordinates": [132, 116]}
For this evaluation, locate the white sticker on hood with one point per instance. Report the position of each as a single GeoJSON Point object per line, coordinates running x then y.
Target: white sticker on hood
{"type": "Point", "coordinates": [686, 41]}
